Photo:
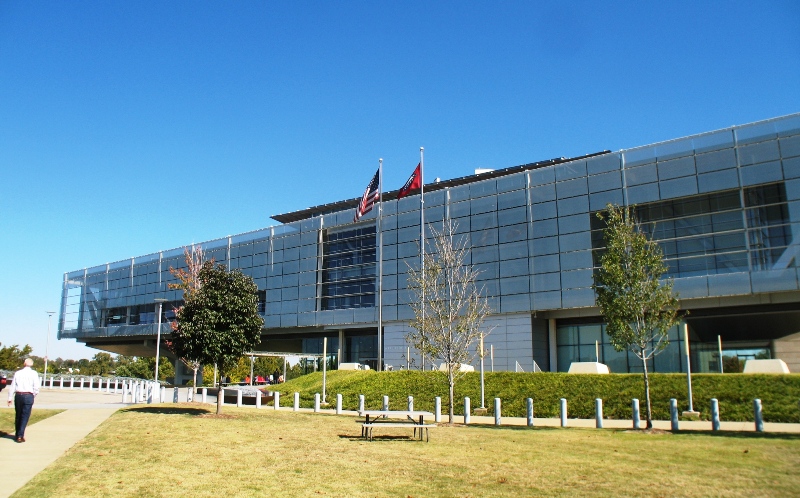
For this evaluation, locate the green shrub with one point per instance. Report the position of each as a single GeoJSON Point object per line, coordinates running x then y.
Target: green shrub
{"type": "Point", "coordinates": [779, 394]}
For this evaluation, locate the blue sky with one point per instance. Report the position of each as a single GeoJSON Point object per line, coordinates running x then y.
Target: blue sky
{"type": "Point", "coordinates": [131, 127]}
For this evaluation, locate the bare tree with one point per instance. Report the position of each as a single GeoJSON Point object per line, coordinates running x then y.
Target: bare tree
{"type": "Point", "coordinates": [449, 309]}
{"type": "Point", "coordinates": [189, 283]}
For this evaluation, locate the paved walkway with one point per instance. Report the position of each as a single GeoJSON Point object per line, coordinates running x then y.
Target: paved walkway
{"type": "Point", "coordinates": [48, 439]}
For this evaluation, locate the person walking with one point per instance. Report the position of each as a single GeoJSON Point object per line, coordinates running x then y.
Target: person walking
{"type": "Point", "coordinates": [24, 388]}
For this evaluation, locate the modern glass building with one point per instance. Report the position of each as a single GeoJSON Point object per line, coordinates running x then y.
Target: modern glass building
{"type": "Point", "coordinates": [723, 205]}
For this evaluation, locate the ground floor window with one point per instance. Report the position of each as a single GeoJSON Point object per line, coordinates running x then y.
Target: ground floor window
{"type": "Point", "coordinates": [589, 342]}
{"type": "Point", "coordinates": [362, 349]}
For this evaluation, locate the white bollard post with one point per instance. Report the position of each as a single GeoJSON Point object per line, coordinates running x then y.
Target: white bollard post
{"type": "Point", "coordinates": [635, 412]}
{"type": "Point", "coordinates": [175, 395]}
{"type": "Point", "coordinates": [437, 409]}
{"type": "Point", "coordinates": [221, 392]}
{"type": "Point", "coordinates": [338, 404]}
{"type": "Point", "coordinates": [385, 402]}
{"type": "Point", "coordinates": [123, 392]}
{"type": "Point", "coordinates": [598, 413]}
{"type": "Point", "coordinates": [149, 393]}
{"type": "Point", "coordinates": [467, 410]}
{"type": "Point", "coordinates": [316, 402]}
{"type": "Point", "coordinates": [563, 412]}
{"type": "Point", "coordinates": [258, 399]}
{"type": "Point", "coordinates": [91, 383]}
{"type": "Point", "coordinates": [190, 394]}
{"type": "Point", "coordinates": [296, 401]}
{"type": "Point", "coordinates": [714, 414]}
{"type": "Point", "coordinates": [205, 395]}
{"type": "Point", "coordinates": [277, 401]}
{"type": "Point", "coordinates": [673, 414]}
{"type": "Point", "coordinates": [116, 386]}
{"type": "Point", "coordinates": [360, 402]}
{"type": "Point", "coordinates": [529, 411]}
{"type": "Point", "coordinates": [162, 394]}
{"type": "Point", "coordinates": [759, 416]}
{"type": "Point", "coordinates": [108, 385]}
{"type": "Point", "coordinates": [497, 411]}
{"type": "Point", "coordinates": [411, 403]}
{"type": "Point", "coordinates": [61, 384]}
{"type": "Point", "coordinates": [239, 397]}
{"type": "Point", "coordinates": [135, 393]}
{"type": "Point", "coordinates": [82, 379]}
{"type": "Point", "coordinates": [72, 382]}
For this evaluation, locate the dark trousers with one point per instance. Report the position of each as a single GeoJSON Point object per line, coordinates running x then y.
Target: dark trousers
{"type": "Point", "coordinates": [23, 403]}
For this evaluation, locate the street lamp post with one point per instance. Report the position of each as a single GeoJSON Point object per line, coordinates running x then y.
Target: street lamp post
{"type": "Point", "coordinates": [158, 334]}
{"type": "Point", "coordinates": [47, 345]}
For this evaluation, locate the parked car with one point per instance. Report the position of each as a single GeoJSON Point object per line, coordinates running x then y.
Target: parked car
{"type": "Point", "coordinates": [4, 381]}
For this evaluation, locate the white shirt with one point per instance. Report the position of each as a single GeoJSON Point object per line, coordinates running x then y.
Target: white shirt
{"type": "Point", "coordinates": [25, 381]}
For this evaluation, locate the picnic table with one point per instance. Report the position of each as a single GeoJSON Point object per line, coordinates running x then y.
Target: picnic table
{"type": "Point", "coordinates": [395, 418]}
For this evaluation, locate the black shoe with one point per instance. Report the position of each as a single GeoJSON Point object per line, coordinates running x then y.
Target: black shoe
{"type": "Point", "coordinates": [20, 439]}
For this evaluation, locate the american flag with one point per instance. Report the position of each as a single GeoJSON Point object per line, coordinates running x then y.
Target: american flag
{"type": "Point", "coordinates": [370, 197]}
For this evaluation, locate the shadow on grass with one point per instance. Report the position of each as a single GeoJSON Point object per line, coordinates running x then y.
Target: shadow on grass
{"type": "Point", "coordinates": [728, 434]}
{"type": "Point", "coordinates": [167, 410]}
{"type": "Point", "coordinates": [742, 435]}
{"type": "Point", "coordinates": [351, 437]}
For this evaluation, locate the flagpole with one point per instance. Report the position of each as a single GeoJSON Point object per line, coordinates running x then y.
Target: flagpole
{"type": "Point", "coordinates": [422, 236]}
{"type": "Point", "coordinates": [380, 264]}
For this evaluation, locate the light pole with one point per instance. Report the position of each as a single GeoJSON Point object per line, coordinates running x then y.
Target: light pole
{"type": "Point", "coordinates": [160, 302]}
{"type": "Point", "coordinates": [47, 344]}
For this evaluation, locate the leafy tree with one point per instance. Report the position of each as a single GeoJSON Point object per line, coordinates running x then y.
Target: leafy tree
{"type": "Point", "coordinates": [449, 310]}
{"type": "Point", "coordinates": [219, 321]}
{"type": "Point", "coordinates": [102, 364]}
{"type": "Point", "coordinates": [142, 367]}
{"type": "Point", "coordinates": [11, 357]}
{"type": "Point", "coordinates": [262, 365]}
{"type": "Point", "coordinates": [637, 307]}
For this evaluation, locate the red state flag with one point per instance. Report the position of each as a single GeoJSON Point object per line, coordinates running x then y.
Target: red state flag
{"type": "Point", "coordinates": [413, 183]}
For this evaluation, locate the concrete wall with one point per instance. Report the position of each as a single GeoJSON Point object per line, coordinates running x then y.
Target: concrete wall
{"type": "Point", "coordinates": [788, 349]}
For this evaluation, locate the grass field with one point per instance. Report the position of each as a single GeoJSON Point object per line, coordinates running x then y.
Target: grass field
{"type": "Point", "coordinates": [7, 418]}
{"type": "Point", "coordinates": [183, 450]}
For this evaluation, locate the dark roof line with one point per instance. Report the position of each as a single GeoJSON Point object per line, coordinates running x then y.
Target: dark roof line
{"type": "Point", "coordinates": [429, 187]}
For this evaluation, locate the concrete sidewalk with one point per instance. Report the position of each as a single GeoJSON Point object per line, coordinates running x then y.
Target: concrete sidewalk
{"type": "Point", "coordinates": [48, 439]}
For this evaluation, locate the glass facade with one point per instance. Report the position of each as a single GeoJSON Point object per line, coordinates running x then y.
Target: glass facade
{"type": "Point", "coordinates": [715, 233]}
{"type": "Point", "coordinates": [348, 269]}
{"type": "Point", "coordinates": [724, 205]}
{"type": "Point", "coordinates": [589, 342]}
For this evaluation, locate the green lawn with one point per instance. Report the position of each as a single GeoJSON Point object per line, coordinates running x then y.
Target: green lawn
{"type": "Point", "coordinates": [182, 450]}
{"type": "Point", "coordinates": [7, 418]}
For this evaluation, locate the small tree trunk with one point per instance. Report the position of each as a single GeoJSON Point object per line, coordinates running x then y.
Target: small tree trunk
{"type": "Point", "coordinates": [194, 380]}
{"type": "Point", "coordinates": [647, 393]}
{"type": "Point", "coordinates": [452, 394]}
{"type": "Point", "coordinates": [220, 395]}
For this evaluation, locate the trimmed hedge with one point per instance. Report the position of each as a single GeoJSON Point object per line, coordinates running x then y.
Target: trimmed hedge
{"type": "Point", "coordinates": [779, 394]}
